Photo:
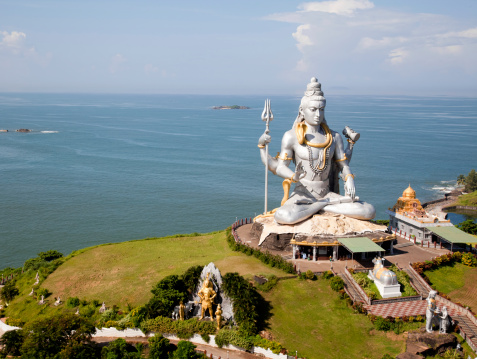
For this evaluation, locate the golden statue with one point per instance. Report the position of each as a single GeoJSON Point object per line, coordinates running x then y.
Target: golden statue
{"type": "Point", "coordinates": [218, 316]}
{"type": "Point", "coordinates": [181, 311]}
{"type": "Point", "coordinates": [207, 295]}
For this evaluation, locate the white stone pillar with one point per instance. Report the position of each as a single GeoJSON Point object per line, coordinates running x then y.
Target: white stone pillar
{"type": "Point", "coordinates": [335, 253]}
{"type": "Point", "coordinates": [294, 250]}
{"type": "Point", "coordinates": [314, 253]}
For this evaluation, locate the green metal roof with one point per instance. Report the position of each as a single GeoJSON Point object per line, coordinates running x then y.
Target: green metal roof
{"type": "Point", "coordinates": [360, 244]}
{"type": "Point", "coordinates": [453, 234]}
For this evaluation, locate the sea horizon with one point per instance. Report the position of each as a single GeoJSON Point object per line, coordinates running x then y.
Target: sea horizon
{"type": "Point", "coordinates": [114, 167]}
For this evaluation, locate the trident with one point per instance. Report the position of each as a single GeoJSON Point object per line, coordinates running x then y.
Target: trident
{"type": "Point", "coordinates": [267, 116]}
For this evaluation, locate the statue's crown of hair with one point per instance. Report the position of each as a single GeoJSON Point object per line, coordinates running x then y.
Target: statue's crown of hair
{"type": "Point", "coordinates": [313, 88]}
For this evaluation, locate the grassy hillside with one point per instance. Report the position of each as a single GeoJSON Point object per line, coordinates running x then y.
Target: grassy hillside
{"type": "Point", "coordinates": [307, 316]}
{"type": "Point", "coordinates": [469, 199]}
{"type": "Point", "coordinates": [457, 281]}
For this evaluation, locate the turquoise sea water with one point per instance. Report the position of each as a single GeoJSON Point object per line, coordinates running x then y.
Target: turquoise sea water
{"type": "Point", "coordinates": [110, 168]}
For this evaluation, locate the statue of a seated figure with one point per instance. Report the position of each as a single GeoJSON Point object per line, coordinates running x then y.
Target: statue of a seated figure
{"type": "Point", "coordinates": [319, 156]}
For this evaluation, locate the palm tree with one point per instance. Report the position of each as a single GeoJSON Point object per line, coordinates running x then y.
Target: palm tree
{"type": "Point", "coordinates": [461, 180]}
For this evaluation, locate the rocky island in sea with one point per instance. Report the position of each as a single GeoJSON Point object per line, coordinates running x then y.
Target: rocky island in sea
{"type": "Point", "coordinates": [233, 107]}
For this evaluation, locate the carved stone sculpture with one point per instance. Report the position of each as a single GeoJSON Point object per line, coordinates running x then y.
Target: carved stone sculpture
{"type": "Point", "coordinates": [430, 310]}
{"type": "Point", "coordinates": [58, 301]}
{"type": "Point", "coordinates": [207, 295]}
{"type": "Point", "coordinates": [218, 316]}
{"type": "Point", "coordinates": [319, 157]}
{"type": "Point", "coordinates": [444, 321]}
{"type": "Point", "coordinates": [103, 308]}
{"type": "Point", "coordinates": [42, 300]}
{"type": "Point", "coordinates": [182, 309]}
{"type": "Point", "coordinates": [385, 279]}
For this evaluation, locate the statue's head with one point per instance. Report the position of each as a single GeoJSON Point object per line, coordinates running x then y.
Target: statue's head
{"type": "Point", "coordinates": [312, 106]}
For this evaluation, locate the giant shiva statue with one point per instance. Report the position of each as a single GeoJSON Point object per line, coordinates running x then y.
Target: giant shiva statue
{"type": "Point", "coordinates": [319, 156]}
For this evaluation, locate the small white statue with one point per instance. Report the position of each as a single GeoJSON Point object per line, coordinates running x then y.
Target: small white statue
{"type": "Point", "coordinates": [103, 308]}
{"type": "Point", "coordinates": [42, 300]}
{"type": "Point", "coordinates": [77, 312]}
{"type": "Point", "coordinates": [58, 301]}
{"type": "Point", "coordinates": [444, 321]}
{"type": "Point", "coordinates": [32, 292]}
{"type": "Point", "coordinates": [430, 311]}
{"type": "Point", "coordinates": [37, 277]}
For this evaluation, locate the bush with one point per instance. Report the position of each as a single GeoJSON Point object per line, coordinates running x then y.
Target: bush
{"type": "Point", "coordinates": [382, 324]}
{"type": "Point", "coordinates": [50, 255]}
{"type": "Point", "coordinates": [336, 283]}
{"type": "Point", "coordinates": [310, 275]}
{"type": "Point", "coordinates": [72, 302]}
{"type": "Point", "coordinates": [230, 336]}
{"type": "Point", "coordinates": [159, 347]}
{"type": "Point", "coordinates": [15, 322]}
{"type": "Point", "coordinates": [9, 291]}
{"type": "Point", "coordinates": [269, 284]}
{"type": "Point", "coordinates": [469, 260]}
{"type": "Point", "coordinates": [275, 347]}
{"type": "Point", "coordinates": [328, 274]}
{"type": "Point", "coordinates": [42, 292]}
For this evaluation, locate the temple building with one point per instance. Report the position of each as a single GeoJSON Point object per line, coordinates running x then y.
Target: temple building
{"type": "Point", "coordinates": [408, 219]}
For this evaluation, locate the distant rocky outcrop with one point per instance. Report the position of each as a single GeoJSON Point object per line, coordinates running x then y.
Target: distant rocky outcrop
{"type": "Point", "coordinates": [23, 130]}
{"type": "Point", "coordinates": [233, 107]}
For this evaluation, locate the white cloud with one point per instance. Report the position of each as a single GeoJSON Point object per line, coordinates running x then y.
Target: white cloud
{"type": "Point", "coordinates": [15, 43]}
{"type": "Point", "coordinates": [301, 38]}
{"type": "Point", "coordinates": [117, 63]}
{"type": "Point", "coordinates": [339, 7]}
{"type": "Point", "coordinates": [150, 69]}
{"type": "Point", "coordinates": [397, 56]}
{"type": "Point", "coordinates": [352, 41]}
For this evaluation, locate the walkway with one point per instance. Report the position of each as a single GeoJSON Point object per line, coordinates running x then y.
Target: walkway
{"type": "Point", "coordinates": [411, 308]}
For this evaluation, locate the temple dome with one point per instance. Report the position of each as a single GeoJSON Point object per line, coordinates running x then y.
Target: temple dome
{"type": "Point", "coordinates": [409, 193]}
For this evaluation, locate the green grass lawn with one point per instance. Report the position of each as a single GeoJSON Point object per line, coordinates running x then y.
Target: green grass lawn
{"type": "Point", "coordinates": [469, 199]}
{"type": "Point", "coordinates": [309, 317]}
{"type": "Point", "coordinates": [448, 278]}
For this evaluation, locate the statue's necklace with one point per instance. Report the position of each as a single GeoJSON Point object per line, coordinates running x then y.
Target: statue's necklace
{"type": "Point", "coordinates": [323, 154]}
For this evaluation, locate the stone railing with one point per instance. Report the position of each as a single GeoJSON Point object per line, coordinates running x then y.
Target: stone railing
{"type": "Point", "coordinates": [397, 299]}
{"type": "Point", "coordinates": [419, 278]}
{"type": "Point", "coordinates": [356, 286]}
{"type": "Point", "coordinates": [238, 224]}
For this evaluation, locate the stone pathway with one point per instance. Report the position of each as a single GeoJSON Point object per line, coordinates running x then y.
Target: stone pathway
{"type": "Point", "coordinates": [409, 308]}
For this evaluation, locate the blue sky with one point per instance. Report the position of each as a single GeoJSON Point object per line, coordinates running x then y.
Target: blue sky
{"type": "Point", "coordinates": [426, 47]}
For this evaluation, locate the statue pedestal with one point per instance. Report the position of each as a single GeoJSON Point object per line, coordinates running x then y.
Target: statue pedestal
{"type": "Point", "coordinates": [388, 291]}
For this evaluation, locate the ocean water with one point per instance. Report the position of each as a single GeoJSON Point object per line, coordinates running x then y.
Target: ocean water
{"type": "Point", "coordinates": [109, 168]}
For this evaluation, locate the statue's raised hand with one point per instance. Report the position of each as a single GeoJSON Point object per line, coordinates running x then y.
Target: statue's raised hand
{"type": "Point", "coordinates": [349, 187]}
{"type": "Point", "coordinates": [264, 139]}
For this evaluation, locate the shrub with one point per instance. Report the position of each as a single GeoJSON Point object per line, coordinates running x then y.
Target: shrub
{"type": "Point", "coordinates": [72, 302]}
{"type": "Point", "coordinates": [15, 322]}
{"type": "Point", "coordinates": [382, 324]}
{"type": "Point", "coordinates": [328, 274]}
{"type": "Point", "coordinates": [336, 283]}
{"type": "Point", "coordinates": [469, 259]}
{"type": "Point", "coordinates": [88, 310]}
{"type": "Point", "coordinates": [269, 284]}
{"type": "Point", "coordinates": [159, 347]}
{"type": "Point", "coordinates": [50, 255]}
{"type": "Point", "coordinates": [42, 292]}
{"type": "Point", "coordinates": [230, 336]}
{"type": "Point", "coordinates": [275, 347]}
{"type": "Point", "coordinates": [9, 291]}
{"type": "Point", "coordinates": [310, 275]}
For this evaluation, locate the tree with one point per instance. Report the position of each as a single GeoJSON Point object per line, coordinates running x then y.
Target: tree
{"type": "Point", "coordinates": [471, 182]}
{"type": "Point", "coordinates": [12, 342]}
{"type": "Point", "coordinates": [159, 347]}
{"type": "Point", "coordinates": [461, 180]}
{"type": "Point", "coordinates": [50, 255]}
{"type": "Point", "coordinates": [468, 226]}
{"type": "Point", "coordinates": [167, 293]}
{"type": "Point", "coordinates": [47, 337]}
{"type": "Point", "coordinates": [185, 350]}
{"type": "Point", "coordinates": [9, 291]}
{"type": "Point", "coordinates": [119, 349]}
